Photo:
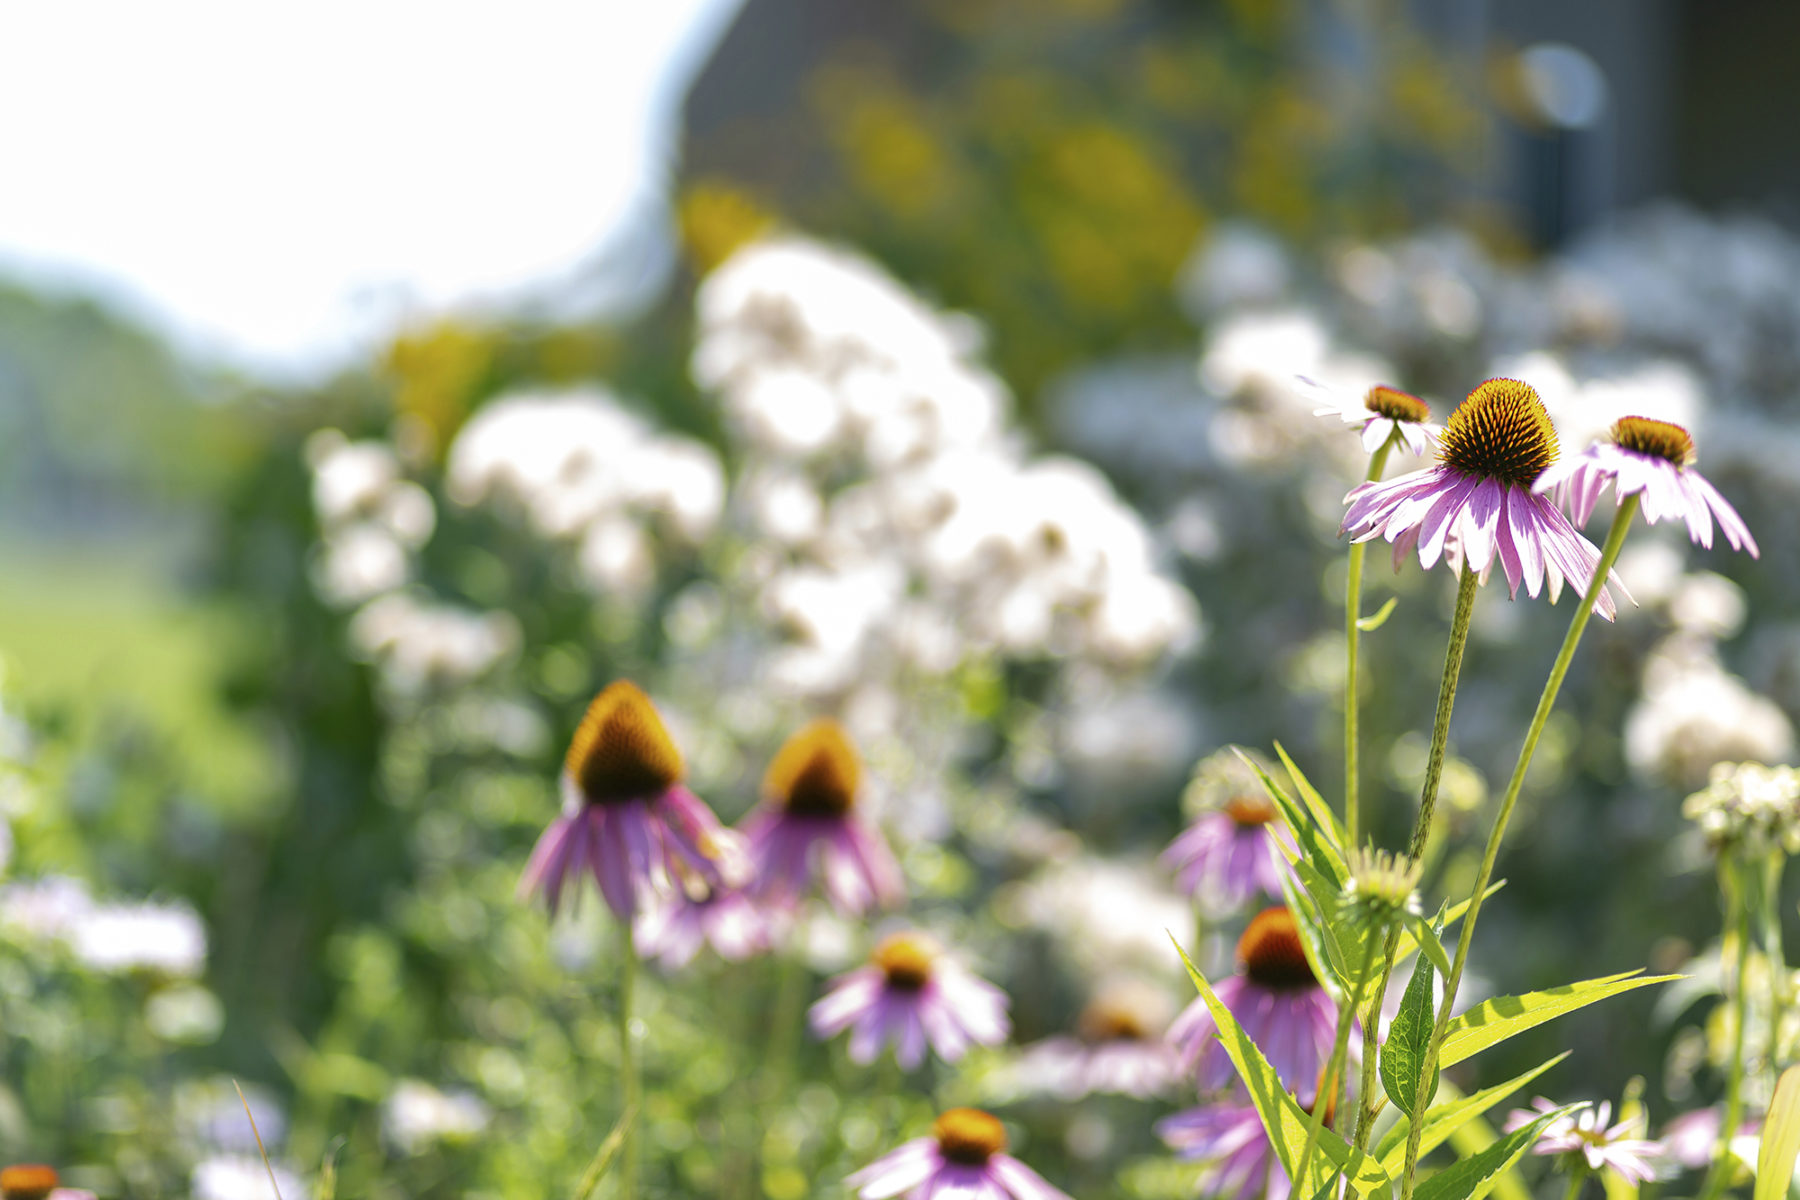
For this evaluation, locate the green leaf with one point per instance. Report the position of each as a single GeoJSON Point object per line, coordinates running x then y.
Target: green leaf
{"type": "Point", "coordinates": [1282, 1117]}
{"type": "Point", "coordinates": [1322, 952]}
{"type": "Point", "coordinates": [603, 1157]}
{"type": "Point", "coordinates": [1316, 849]}
{"type": "Point", "coordinates": [1403, 1053]}
{"type": "Point", "coordinates": [1409, 944]}
{"type": "Point", "coordinates": [1315, 803]}
{"type": "Point", "coordinates": [1378, 618]}
{"type": "Point", "coordinates": [1780, 1139]}
{"type": "Point", "coordinates": [1446, 1119]}
{"type": "Point", "coordinates": [1496, 1020]}
{"type": "Point", "coordinates": [1428, 943]}
{"type": "Point", "coordinates": [1473, 1177]}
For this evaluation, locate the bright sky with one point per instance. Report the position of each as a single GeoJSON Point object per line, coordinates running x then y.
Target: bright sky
{"type": "Point", "coordinates": [277, 184]}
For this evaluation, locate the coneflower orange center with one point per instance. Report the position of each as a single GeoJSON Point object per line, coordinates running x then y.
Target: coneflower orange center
{"type": "Point", "coordinates": [27, 1181]}
{"type": "Point", "coordinates": [1107, 1020]}
{"type": "Point", "coordinates": [1271, 954]}
{"type": "Point", "coordinates": [906, 960]}
{"type": "Point", "coordinates": [1502, 431]}
{"type": "Point", "coordinates": [1659, 439]}
{"type": "Point", "coordinates": [1398, 405]}
{"type": "Point", "coordinates": [816, 772]}
{"type": "Point", "coordinates": [968, 1136]}
{"type": "Point", "coordinates": [621, 751]}
{"type": "Point", "coordinates": [1250, 811]}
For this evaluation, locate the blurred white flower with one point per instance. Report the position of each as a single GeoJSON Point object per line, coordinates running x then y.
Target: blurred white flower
{"type": "Point", "coordinates": [243, 1177]}
{"type": "Point", "coordinates": [1238, 265]}
{"type": "Point", "coordinates": [1694, 713]}
{"type": "Point", "coordinates": [416, 1116]}
{"type": "Point", "coordinates": [49, 907]}
{"type": "Point", "coordinates": [357, 562]}
{"type": "Point", "coordinates": [164, 938]}
{"type": "Point", "coordinates": [213, 1115]}
{"type": "Point", "coordinates": [350, 479]}
{"type": "Point", "coordinates": [419, 644]}
{"type": "Point", "coordinates": [1107, 913]}
{"type": "Point", "coordinates": [1707, 604]}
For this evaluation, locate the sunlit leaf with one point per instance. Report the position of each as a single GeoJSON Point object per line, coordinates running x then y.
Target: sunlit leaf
{"type": "Point", "coordinates": [1427, 941]}
{"type": "Point", "coordinates": [1409, 944]}
{"type": "Point", "coordinates": [1495, 1020]}
{"type": "Point", "coordinates": [1315, 846]}
{"type": "Point", "coordinates": [603, 1157]}
{"type": "Point", "coordinates": [1282, 1117]}
{"type": "Point", "coordinates": [1446, 1119]}
{"type": "Point", "coordinates": [1780, 1139]}
{"type": "Point", "coordinates": [1403, 1053]}
{"type": "Point", "coordinates": [1315, 803]}
{"type": "Point", "coordinates": [1473, 1177]}
{"type": "Point", "coordinates": [1378, 618]}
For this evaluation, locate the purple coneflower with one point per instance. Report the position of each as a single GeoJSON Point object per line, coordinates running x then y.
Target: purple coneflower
{"type": "Point", "coordinates": [910, 993]}
{"type": "Point", "coordinates": [1117, 1048]}
{"type": "Point", "coordinates": [964, 1159]}
{"type": "Point", "coordinates": [1230, 854]}
{"type": "Point", "coordinates": [1652, 459]}
{"type": "Point", "coordinates": [1230, 1135]}
{"type": "Point", "coordinates": [1586, 1133]}
{"type": "Point", "coordinates": [807, 821]}
{"type": "Point", "coordinates": [1476, 506]}
{"type": "Point", "coordinates": [698, 913]}
{"type": "Point", "coordinates": [626, 818]}
{"type": "Point", "coordinates": [1380, 413]}
{"type": "Point", "coordinates": [1277, 1000]}
{"type": "Point", "coordinates": [1691, 1138]}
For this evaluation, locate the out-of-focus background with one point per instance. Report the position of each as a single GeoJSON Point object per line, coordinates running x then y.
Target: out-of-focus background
{"type": "Point", "coordinates": [376, 382]}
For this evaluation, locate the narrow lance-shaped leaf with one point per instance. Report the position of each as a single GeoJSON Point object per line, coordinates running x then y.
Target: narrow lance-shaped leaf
{"type": "Point", "coordinates": [1315, 846]}
{"type": "Point", "coordinates": [1315, 803]}
{"type": "Point", "coordinates": [1443, 1121]}
{"type": "Point", "coordinates": [1473, 1177]}
{"type": "Point", "coordinates": [1322, 953]}
{"type": "Point", "coordinates": [1403, 1053]}
{"type": "Point", "coordinates": [1496, 1020]}
{"type": "Point", "coordinates": [1780, 1139]}
{"type": "Point", "coordinates": [1378, 618]}
{"type": "Point", "coordinates": [1409, 944]}
{"type": "Point", "coordinates": [1282, 1117]}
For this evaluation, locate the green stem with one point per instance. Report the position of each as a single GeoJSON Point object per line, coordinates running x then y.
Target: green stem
{"type": "Point", "coordinates": [1434, 774]}
{"type": "Point", "coordinates": [1738, 902]}
{"type": "Point", "coordinates": [1615, 540]}
{"type": "Point", "coordinates": [1325, 1096]}
{"type": "Point", "coordinates": [1352, 638]}
{"type": "Point", "coordinates": [1577, 1176]}
{"type": "Point", "coordinates": [1772, 952]}
{"type": "Point", "coordinates": [628, 1069]}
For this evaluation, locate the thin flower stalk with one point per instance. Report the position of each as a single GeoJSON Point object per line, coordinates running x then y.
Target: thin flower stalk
{"type": "Point", "coordinates": [1738, 903]}
{"type": "Point", "coordinates": [1352, 639]}
{"type": "Point", "coordinates": [1434, 774]}
{"type": "Point", "coordinates": [1615, 541]}
{"type": "Point", "coordinates": [1331, 1085]}
{"type": "Point", "coordinates": [629, 1083]}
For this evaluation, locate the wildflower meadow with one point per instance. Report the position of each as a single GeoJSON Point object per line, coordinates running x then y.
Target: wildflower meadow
{"type": "Point", "coordinates": [1058, 653]}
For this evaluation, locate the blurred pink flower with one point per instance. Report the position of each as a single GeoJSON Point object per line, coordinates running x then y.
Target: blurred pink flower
{"type": "Point", "coordinates": [910, 993]}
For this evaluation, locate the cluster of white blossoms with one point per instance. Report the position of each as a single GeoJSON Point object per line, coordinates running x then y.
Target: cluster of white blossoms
{"type": "Point", "coordinates": [901, 526]}
{"type": "Point", "coordinates": [416, 1116]}
{"type": "Point", "coordinates": [583, 470]}
{"type": "Point", "coordinates": [114, 938]}
{"type": "Point", "coordinates": [1750, 806]}
{"type": "Point", "coordinates": [371, 518]}
{"type": "Point", "coordinates": [373, 521]}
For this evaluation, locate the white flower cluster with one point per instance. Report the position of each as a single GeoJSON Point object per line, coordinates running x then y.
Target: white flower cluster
{"type": "Point", "coordinates": [161, 939]}
{"type": "Point", "coordinates": [370, 517]}
{"type": "Point", "coordinates": [901, 527]}
{"type": "Point", "coordinates": [584, 470]}
{"type": "Point", "coordinates": [421, 645]}
{"type": "Point", "coordinates": [372, 521]}
{"type": "Point", "coordinates": [1749, 805]}
{"type": "Point", "coordinates": [417, 1116]}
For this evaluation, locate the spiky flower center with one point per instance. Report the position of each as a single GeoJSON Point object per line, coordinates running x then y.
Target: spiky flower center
{"type": "Point", "coordinates": [816, 772]}
{"type": "Point", "coordinates": [1381, 886]}
{"type": "Point", "coordinates": [621, 751]}
{"type": "Point", "coordinates": [1110, 1020]}
{"type": "Point", "coordinates": [1393, 403]}
{"type": "Point", "coordinates": [906, 959]}
{"type": "Point", "coordinates": [1502, 432]}
{"type": "Point", "coordinates": [969, 1136]}
{"type": "Point", "coordinates": [1658, 439]}
{"type": "Point", "coordinates": [1250, 811]}
{"type": "Point", "coordinates": [27, 1181]}
{"type": "Point", "coordinates": [1271, 954]}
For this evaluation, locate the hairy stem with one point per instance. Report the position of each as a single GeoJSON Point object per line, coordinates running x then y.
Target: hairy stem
{"type": "Point", "coordinates": [1352, 638]}
{"type": "Point", "coordinates": [1434, 774]}
{"type": "Point", "coordinates": [1615, 540]}
{"type": "Point", "coordinates": [1325, 1095]}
